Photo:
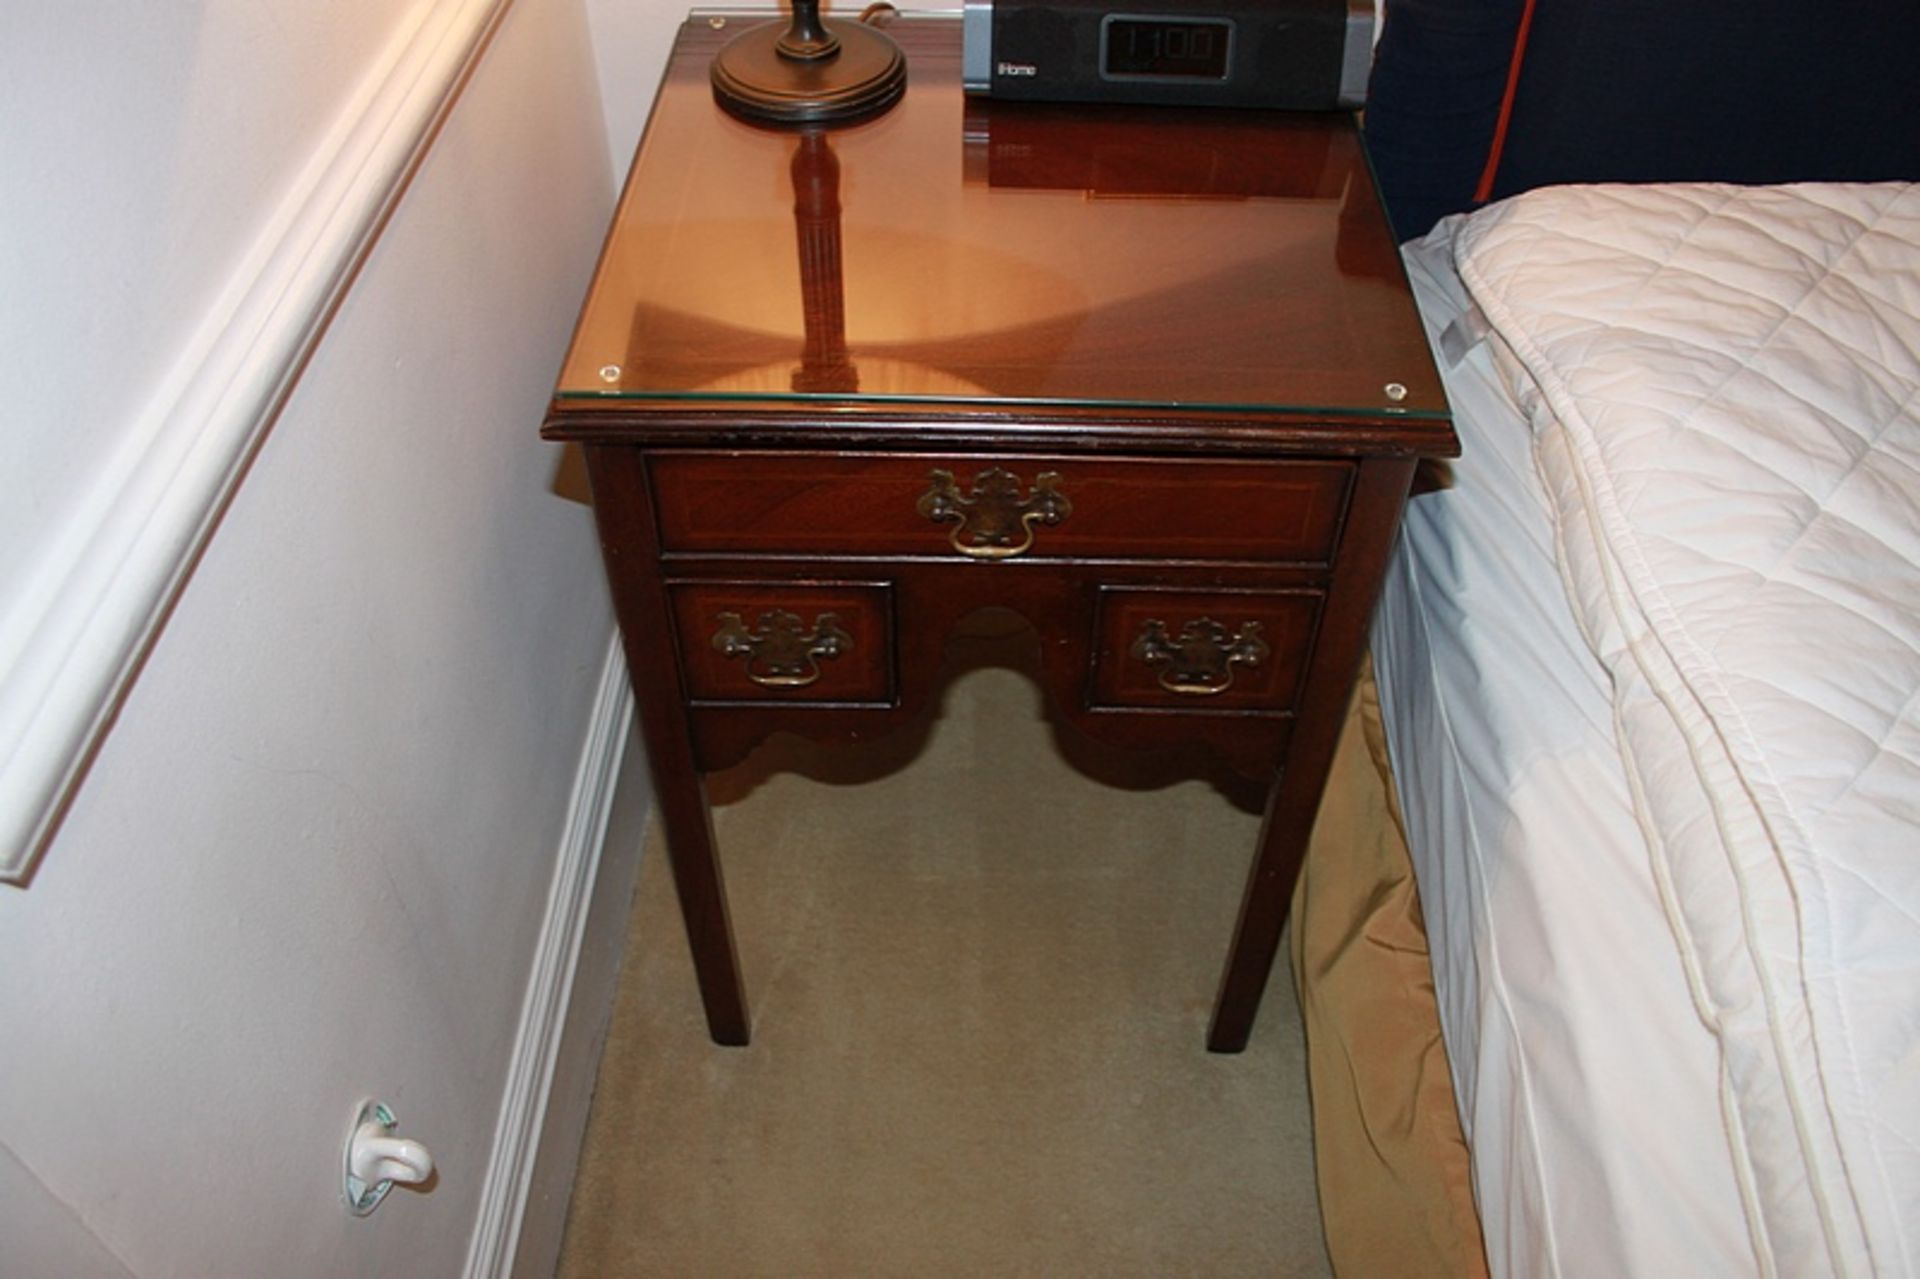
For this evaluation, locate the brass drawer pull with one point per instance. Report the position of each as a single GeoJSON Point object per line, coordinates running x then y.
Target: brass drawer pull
{"type": "Point", "coordinates": [994, 512]}
{"type": "Point", "coordinates": [1200, 663]}
{"type": "Point", "coordinates": [779, 654]}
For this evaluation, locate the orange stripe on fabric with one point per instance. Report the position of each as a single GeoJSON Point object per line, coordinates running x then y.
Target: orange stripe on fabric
{"type": "Point", "coordinates": [1484, 191]}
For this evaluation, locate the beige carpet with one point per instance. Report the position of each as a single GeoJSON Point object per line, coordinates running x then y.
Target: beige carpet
{"type": "Point", "coordinates": [980, 985]}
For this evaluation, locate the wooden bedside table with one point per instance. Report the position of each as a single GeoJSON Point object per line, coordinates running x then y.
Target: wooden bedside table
{"type": "Point", "coordinates": [1150, 378]}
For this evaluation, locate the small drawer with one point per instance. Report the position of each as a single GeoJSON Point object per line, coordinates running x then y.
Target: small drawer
{"type": "Point", "coordinates": [1240, 651]}
{"type": "Point", "coordinates": [785, 641]}
{"type": "Point", "coordinates": [990, 507]}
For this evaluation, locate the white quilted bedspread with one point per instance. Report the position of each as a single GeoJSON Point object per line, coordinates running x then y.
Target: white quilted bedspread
{"type": "Point", "coordinates": [1724, 384]}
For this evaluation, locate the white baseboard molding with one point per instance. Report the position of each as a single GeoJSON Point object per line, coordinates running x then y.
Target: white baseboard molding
{"type": "Point", "coordinates": [516, 1144]}
{"type": "Point", "coordinates": [87, 610]}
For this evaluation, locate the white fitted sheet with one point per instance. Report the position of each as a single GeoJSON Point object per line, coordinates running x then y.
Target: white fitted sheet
{"type": "Point", "coordinates": [1588, 1083]}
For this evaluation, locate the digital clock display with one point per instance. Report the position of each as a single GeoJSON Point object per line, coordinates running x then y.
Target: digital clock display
{"type": "Point", "coordinates": [1164, 48]}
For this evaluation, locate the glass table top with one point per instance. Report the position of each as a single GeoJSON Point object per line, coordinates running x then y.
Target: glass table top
{"type": "Point", "coordinates": [961, 252]}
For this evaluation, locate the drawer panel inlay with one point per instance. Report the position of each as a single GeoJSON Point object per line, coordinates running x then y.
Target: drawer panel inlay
{"type": "Point", "coordinates": [1277, 511]}
{"type": "Point", "coordinates": [784, 641]}
{"type": "Point", "coordinates": [1203, 650]}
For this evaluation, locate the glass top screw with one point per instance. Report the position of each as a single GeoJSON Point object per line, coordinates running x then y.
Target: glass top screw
{"type": "Point", "coordinates": [1396, 392]}
{"type": "Point", "coordinates": [610, 373]}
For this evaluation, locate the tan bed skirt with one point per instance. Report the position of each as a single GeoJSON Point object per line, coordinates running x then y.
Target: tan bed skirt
{"type": "Point", "coordinates": [1395, 1191]}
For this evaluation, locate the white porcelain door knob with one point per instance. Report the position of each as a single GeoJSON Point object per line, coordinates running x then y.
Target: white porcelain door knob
{"type": "Point", "coordinates": [376, 1159]}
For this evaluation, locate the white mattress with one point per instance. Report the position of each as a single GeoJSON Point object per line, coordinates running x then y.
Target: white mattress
{"type": "Point", "coordinates": [1697, 1056]}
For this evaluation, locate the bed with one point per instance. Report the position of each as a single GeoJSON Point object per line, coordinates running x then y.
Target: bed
{"type": "Point", "coordinates": [1648, 659]}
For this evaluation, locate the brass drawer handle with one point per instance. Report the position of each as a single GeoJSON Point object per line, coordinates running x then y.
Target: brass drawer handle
{"type": "Point", "coordinates": [994, 512]}
{"type": "Point", "coordinates": [1200, 662]}
{"type": "Point", "coordinates": [779, 654]}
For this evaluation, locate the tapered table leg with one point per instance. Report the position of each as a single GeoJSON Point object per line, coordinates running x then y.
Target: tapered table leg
{"type": "Point", "coordinates": [1380, 491]}
{"type": "Point", "coordinates": [687, 821]}
{"type": "Point", "coordinates": [623, 509]}
{"type": "Point", "coordinates": [1263, 913]}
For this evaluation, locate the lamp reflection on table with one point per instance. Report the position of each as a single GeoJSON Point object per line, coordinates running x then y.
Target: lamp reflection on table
{"type": "Point", "coordinates": [824, 365]}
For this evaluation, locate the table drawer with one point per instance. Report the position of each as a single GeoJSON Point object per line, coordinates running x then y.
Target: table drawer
{"type": "Point", "coordinates": [785, 641]}
{"type": "Point", "coordinates": [1000, 507]}
{"type": "Point", "coordinates": [1203, 650]}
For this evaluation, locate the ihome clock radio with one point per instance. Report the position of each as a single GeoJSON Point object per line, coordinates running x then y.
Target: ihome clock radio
{"type": "Point", "coordinates": [1302, 55]}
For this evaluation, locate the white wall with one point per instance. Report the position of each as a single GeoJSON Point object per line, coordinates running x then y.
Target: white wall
{"type": "Point", "coordinates": [631, 40]}
{"type": "Point", "coordinates": [311, 860]}
{"type": "Point", "coordinates": [134, 178]}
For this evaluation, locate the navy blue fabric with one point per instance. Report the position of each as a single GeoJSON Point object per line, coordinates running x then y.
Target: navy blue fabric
{"type": "Point", "coordinates": [1642, 91]}
{"type": "Point", "coordinates": [1439, 73]}
{"type": "Point", "coordinates": [1716, 90]}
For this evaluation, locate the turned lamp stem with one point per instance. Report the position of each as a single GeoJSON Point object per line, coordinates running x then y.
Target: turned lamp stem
{"type": "Point", "coordinates": [807, 38]}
